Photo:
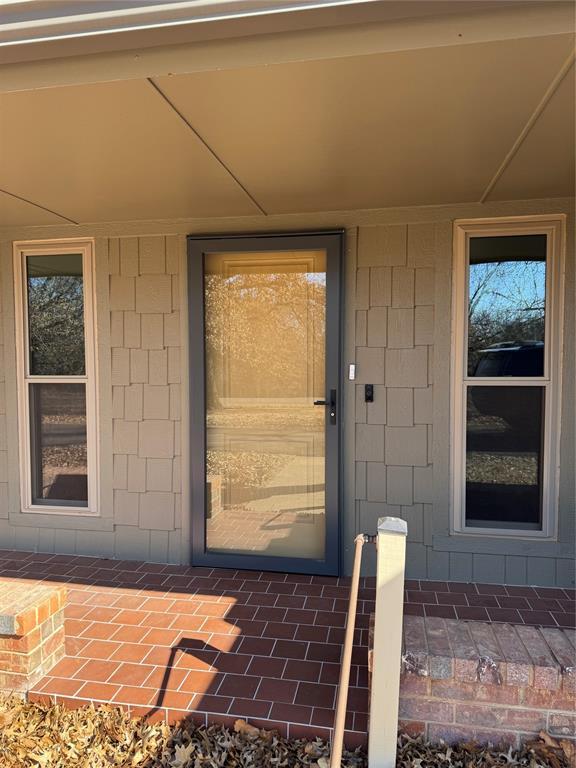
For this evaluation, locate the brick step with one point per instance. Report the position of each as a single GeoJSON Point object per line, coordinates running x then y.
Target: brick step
{"type": "Point", "coordinates": [31, 633]}
{"type": "Point", "coordinates": [497, 683]}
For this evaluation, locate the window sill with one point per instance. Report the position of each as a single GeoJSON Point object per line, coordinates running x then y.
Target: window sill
{"type": "Point", "coordinates": [504, 545]}
{"type": "Point", "coordinates": [68, 521]}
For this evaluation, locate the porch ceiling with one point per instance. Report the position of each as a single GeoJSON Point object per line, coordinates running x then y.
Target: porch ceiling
{"type": "Point", "coordinates": [460, 123]}
{"type": "Point", "coordinates": [409, 128]}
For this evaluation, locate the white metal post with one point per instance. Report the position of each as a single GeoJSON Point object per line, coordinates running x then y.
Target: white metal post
{"type": "Point", "coordinates": [387, 650]}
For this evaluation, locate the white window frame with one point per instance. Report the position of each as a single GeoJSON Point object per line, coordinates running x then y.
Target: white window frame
{"type": "Point", "coordinates": [553, 226]}
{"type": "Point", "coordinates": [47, 248]}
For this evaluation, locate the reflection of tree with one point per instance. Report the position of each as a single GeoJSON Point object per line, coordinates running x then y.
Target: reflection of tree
{"type": "Point", "coordinates": [264, 335]}
{"type": "Point", "coordinates": [506, 304]}
{"type": "Point", "coordinates": [56, 325]}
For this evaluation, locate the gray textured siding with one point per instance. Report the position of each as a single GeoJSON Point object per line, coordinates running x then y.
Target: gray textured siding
{"type": "Point", "coordinates": [137, 305]}
{"type": "Point", "coordinates": [401, 310]}
{"type": "Point", "coordinates": [395, 450]}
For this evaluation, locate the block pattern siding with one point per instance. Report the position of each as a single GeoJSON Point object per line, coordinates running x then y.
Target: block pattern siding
{"type": "Point", "coordinates": [394, 338]}
{"type": "Point", "coordinates": [145, 344]}
{"type": "Point", "coordinates": [137, 306]}
{"type": "Point", "coordinates": [402, 326]}
{"type": "Point", "coordinates": [397, 297]}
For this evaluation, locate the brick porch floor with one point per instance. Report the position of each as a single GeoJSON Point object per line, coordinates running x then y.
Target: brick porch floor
{"type": "Point", "coordinates": [164, 639]}
{"type": "Point", "coordinates": [536, 606]}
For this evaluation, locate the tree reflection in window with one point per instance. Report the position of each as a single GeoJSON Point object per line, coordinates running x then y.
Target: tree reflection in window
{"type": "Point", "coordinates": [265, 338]}
{"type": "Point", "coordinates": [253, 308]}
{"type": "Point", "coordinates": [506, 307]}
{"type": "Point", "coordinates": [56, 315]}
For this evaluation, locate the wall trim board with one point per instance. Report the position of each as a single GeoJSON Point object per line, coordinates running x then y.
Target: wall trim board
{"type": "Point", "coordinates": [62, 522]}
{"type": "Point", "coordinates": [289, 221]}
{"type": "Point", "coordinates": [479, 545]}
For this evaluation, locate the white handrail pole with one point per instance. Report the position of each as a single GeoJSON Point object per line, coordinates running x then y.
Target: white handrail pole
{"type": "Point", "coordinates": [387, 651]}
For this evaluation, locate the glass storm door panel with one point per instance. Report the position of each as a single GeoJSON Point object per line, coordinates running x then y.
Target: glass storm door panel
{"type": "Point", "coordinates": [265, 491]}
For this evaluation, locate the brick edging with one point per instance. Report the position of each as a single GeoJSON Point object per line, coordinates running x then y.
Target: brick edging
{"type": "Point", "coordinates": [32, 634]}
{"type": "Point", "coordinates": [487, 682]}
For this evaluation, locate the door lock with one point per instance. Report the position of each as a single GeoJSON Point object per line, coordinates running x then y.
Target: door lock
{"type": "Point", "coordinates": [332, 405]}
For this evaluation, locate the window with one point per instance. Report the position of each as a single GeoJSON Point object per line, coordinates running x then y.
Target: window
{"type": "Point", "coordinates": [506, 375]}
{"type": "Point", "coordinates": [56, 376]}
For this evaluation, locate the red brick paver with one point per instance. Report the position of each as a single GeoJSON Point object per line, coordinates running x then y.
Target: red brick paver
{"type": "Point", "coordinates": [535, 606]}
{"type": "Point", "coordinates": [222, 644]}
{"type": "Point", "coordinates": [166, 639]}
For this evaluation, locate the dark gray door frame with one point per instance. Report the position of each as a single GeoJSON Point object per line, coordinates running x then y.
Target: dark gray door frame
{"type": "Point", "coordinates": [332, 242]}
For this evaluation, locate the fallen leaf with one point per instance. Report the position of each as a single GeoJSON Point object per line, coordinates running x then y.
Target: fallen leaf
{"type": "Point", "coordinates": [548, 740]}
{"type": "Point", "coordinates": [245, 729]}
{"type": "Point", "coordinates": [313, 749]}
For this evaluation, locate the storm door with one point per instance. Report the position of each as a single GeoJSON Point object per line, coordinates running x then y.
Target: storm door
{"type": "Point", "coordinates": [264, 401]}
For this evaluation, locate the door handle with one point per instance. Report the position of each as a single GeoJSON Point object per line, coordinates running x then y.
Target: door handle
{"type": "Point", "coordinates": [331, 403]}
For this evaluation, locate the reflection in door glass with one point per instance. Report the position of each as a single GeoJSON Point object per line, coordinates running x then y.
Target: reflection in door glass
{"type": "Point", "coordinates": [507, 296]}
{"type": "Point", "coordinates": [265, 318]}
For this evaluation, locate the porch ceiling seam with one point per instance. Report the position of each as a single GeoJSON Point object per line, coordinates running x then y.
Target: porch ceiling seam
{"type": "Point", "coordinates": [530, 123]}
{"type": "Point", "coordinates": [214, 154]}
{"type": "Point", "coordinates": [39, 205]}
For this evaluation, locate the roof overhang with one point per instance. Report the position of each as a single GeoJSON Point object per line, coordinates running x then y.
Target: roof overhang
{"type": "Point", "coordinates": [31, 29]}
{"type": "Point", "coordinates": [39, 53]}
{"type": "Point", "coordinates": [451, 102]}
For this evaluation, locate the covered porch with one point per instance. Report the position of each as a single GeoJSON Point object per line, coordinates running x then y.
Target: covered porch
{"type": "Point", "coordinates": [386, 126]}
{"type": "Point", "coordinates": [403, 136]}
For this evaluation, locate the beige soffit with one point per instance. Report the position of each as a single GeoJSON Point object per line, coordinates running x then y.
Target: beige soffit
{"type": "Point", "coordinates": [325, 33]}
{"type": "Point", "coordinates": [412, 128]}
{"type": "Point", "coordinates": [543, 165]}
{"type": "Point", "coordinates": [111, 152]}
{"type": "Point", "coordinates": [15, 212]}
{"type": "Point", "coordinates": [34, 30]}
{"type": "Point", "coordinates": [28, 23]}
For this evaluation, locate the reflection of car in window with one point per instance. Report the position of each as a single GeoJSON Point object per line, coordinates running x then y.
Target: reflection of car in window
{"type": "Point", "coordinates": [511, 358]}
{"type": "Point", "coordinates": [524, 358]}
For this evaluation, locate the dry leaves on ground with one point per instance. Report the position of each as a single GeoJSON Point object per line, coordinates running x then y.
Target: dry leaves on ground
{"type": "Point", "coordinates": [41, 735]}
{"type": "Point", "coordinates": [544, 752]}
{"type": "Point", "coordinates": [50, 736]}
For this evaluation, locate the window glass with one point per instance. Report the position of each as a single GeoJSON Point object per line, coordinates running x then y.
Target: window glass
{"type": "Point", "coordinates": [265, 317]}
{"type": "Point", "coordinates": [58, 444]}
{"type": "Point", "coordinates": [55, 315]}
{"type": "Point", "coordinates": [504, 428]}
{"type": "Point", "coordinates": [506, 305]}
